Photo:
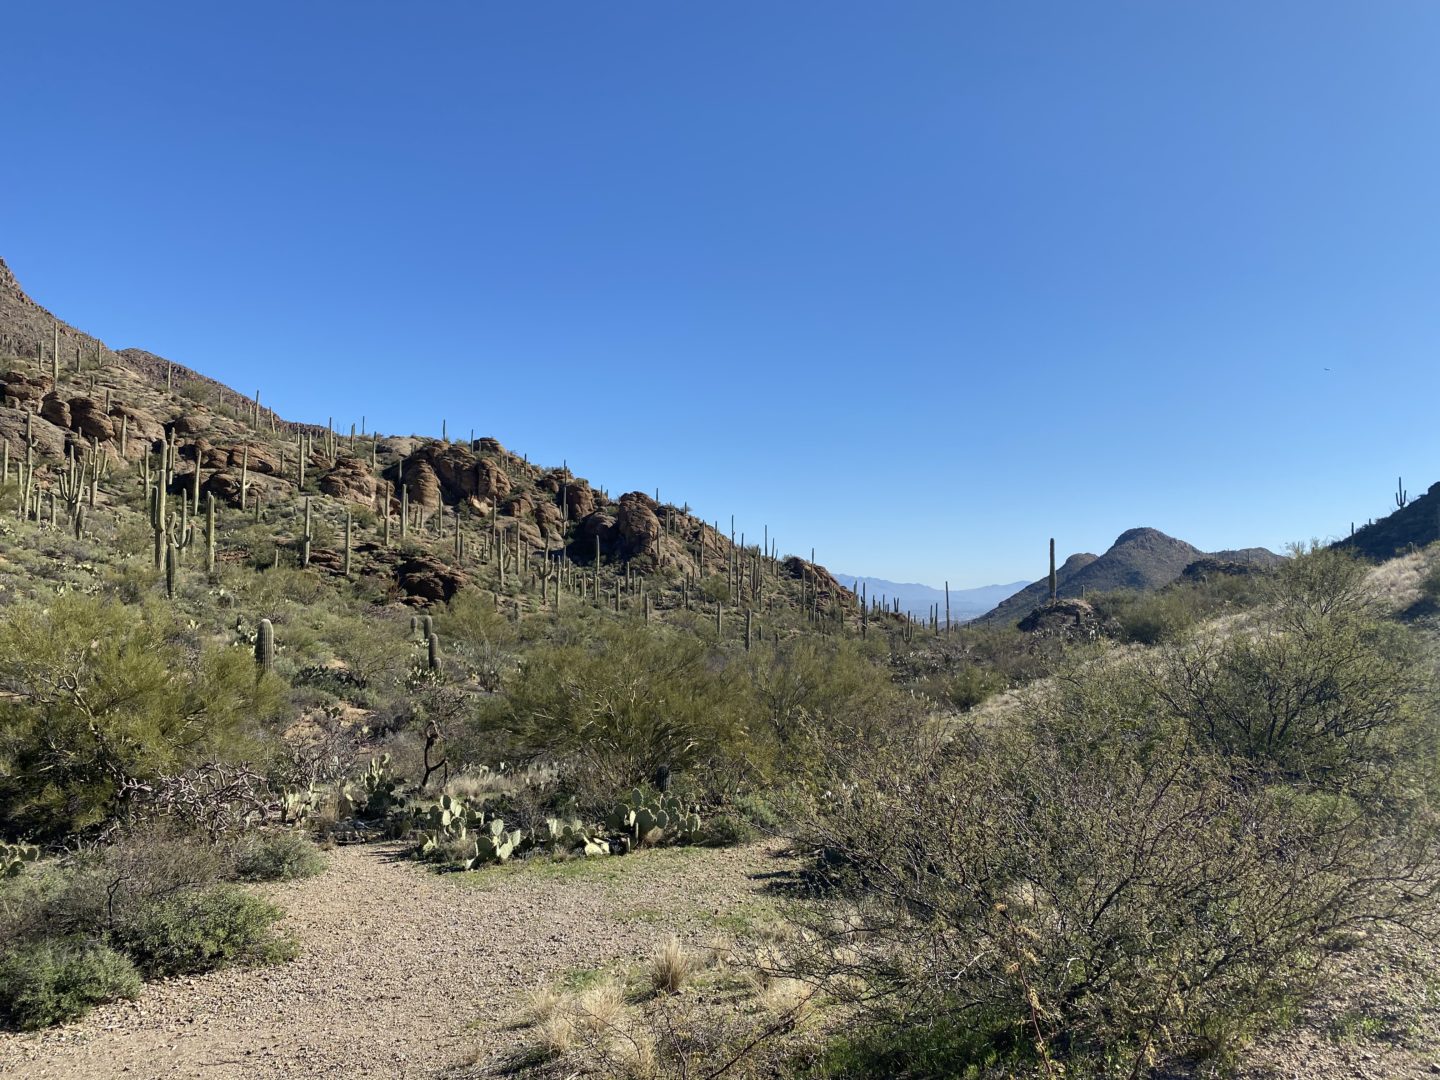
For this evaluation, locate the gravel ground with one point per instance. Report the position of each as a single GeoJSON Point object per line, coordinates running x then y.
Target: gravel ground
{"type": "Point", "coordinates": [403, 973]}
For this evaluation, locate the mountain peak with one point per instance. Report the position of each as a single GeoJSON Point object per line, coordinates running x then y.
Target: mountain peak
{"type": "Point", "coordinates": [1141, 558]}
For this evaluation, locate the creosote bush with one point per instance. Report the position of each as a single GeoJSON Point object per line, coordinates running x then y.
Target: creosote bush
{"type": "Point", "coordinates": [201, 930]}
{"type": "Point", "coordinates": [49, 982]}
{"type": "Point", "coordinates": [278, 857]}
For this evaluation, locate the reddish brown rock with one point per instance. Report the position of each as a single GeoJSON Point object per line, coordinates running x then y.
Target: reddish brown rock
{"type": "Point", "coordinates": [596, 526]}
{"type": "Point", "coordinates": [488, 445]}
{"type": "Point", "coordinates": [422, 483]}
{"type": "Point", "coordinates": [549, 518]}
{"type": "Point", "coordinates": [224, 485]}
{"type": "Point", "coordinates": [23, 388]}
{"type": "Point", "coordinates": [580, 499]}
{"type": "Point", "coordinates": [637, 529]}
{"type": "Point", "coordinates": [188, 424]}
{"type": "Point", "coordinates": [425, 577]}
{"type": "Point", "coordinates": [491, 481]}
{"type": "Point", "coordinates": [49, 440]}
{"type": "Point", "coordinates": [89, 419]}
{"type": "Point", "coordinates": [350, 480]}
{"type": "Point", "coordinates": [260, 460]}
{"type": "Point", "coordinates": [141, 427]}
{"type": "Point", "coordinates": [518, 505]}
{"type": "Point", "coordinates": [56, 410]}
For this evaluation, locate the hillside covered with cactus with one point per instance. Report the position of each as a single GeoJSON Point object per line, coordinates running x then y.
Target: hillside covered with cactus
{"type": "Point", "coordinates": [223, 479]}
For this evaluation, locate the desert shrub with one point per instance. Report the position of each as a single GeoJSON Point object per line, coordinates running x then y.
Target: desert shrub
{"type": "Point", "coordinates": [50, 982]}
{"type": "Point", "coordinates": [726, 829]}
{"type": "Point", "coordinates": [278, 857]}
{"type": "Point", "coordinates": [618, 707]}
{"type": "Point", "coordinates": [200, 930]}
{"type": "Point", "coordinates": [1318, 691]}
{"type": "Point", "coordinates": [971, 685]}
{"type": "Point", "coordinates": [1147, 863]}
{"type": "Point", "coordinates": [90, 893]}
{"type": "Point", "coordinates": [97, 694]}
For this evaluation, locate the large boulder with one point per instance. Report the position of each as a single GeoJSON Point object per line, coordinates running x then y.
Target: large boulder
{"type": "Point", "coordinates": [454, 466]}
{"type": "Point", "coordinates": [49, 439]}
{"type": "Point", "coordinates": [579, 498]}
{"type": "Point", "coordinates": [518, 505]}
{"type": "Point", "coordinates": [548, 517]}
{"type": "Point", "coordinates": [224, 485]}
{"type": "Point", "coordinates": [351, 480]}
{"type": "Point", "coordinates": [426, 578]}
{"type": "Point", "coordinates": [422, 483]}
{"type": "Point", "coordinates": [491, 481]}
{"type": "Point", "coordinates": [637, 529]}
{"type": "Point", "coordinates": [22, 388]}
{"type": "Point", "coordinates": [259, 460]}
{"type": "Point", "coordinates": [55, 409]}
{"type": "Point", "coordinates": [88, 418]}
{"type": "Point", "coordinates": [142, 430]}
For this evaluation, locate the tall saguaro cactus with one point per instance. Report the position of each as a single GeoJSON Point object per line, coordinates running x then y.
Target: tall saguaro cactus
{"type": "Point", "coordinates": [1052, 570]}
{"type": "Point", "coordinates": [265, 646]}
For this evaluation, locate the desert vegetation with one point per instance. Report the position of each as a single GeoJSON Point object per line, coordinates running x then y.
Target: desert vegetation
{"type": "Point", "coordinates": [1112, 845]}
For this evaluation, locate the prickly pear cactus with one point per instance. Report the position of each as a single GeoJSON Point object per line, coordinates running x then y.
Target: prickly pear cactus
{"type": "Point", "coordinates": [13, 858]}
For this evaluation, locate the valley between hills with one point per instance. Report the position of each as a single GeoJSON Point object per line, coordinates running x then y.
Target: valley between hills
{"type": "Point", "coordinates": [328, 752]}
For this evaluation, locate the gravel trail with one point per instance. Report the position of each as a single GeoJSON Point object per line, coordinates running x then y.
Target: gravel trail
{"type": "Point", "coordinates": [403, 972]}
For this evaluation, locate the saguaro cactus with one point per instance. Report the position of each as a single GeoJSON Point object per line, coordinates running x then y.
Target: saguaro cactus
{"type": "Point", "coordinates": [305, 541]}
{"type": "Point", "coordinates": [1052, 570]}
{"type": "Point", "coordinates": [210, 532]}
{"type": "Point", "coordinates": [265, 646]}
{"type": "Point", "coordinates": [348, 527]}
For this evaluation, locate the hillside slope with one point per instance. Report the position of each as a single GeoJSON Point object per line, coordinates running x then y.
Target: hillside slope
{"type": "Point", "coordinates": [1140, 559]}
{"type": "Point", "coordinates": [1415, 524]}
{"type": "Point", "coordinates": [429, 517]}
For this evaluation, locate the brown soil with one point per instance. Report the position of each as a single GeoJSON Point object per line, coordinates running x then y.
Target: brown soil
{"type": "Point", "coordinates": [404, 972]}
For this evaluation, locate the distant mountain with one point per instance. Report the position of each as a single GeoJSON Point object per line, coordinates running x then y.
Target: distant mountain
{"type": "Point", "coordinates": [1139, 559]}
{"type": "Point", "coordinates": [965, 604]}
{"type": "Point", "coordinates": [1415, 523]}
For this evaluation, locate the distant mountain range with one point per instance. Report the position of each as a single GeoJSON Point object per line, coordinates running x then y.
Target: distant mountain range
{"type": "Point", "coordinates": [965, 604]}
{"type": "Point", "coordinates": [1139, 559]}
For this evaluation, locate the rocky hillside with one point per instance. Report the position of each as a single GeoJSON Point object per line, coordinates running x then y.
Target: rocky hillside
{"type": "Point", "coordinates": [1140, 559]}
{"type": "Point", "coordinates": [1413, 525]}
{"type": "Point", "coordinates": [430, 516]}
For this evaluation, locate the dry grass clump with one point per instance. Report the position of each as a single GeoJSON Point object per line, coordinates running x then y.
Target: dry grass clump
{"type": "Point", "coordinates": [671, 967]}
{"type": "Point", "coordinates": [600, 1008]}
{"type": "Point", "coordinates": [542, 1003]}
{"type": "Point", "coordinates": [656, 1031]}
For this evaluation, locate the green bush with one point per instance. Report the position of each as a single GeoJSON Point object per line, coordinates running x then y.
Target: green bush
{"type": "Point", "coordinates": [94, 692]}
{"type": "Point", "coordinates": [278, 857]}
{"type": "Point", "coordinates": [201, 930]}
{"type": "Point", "coordinates": [49, 982]}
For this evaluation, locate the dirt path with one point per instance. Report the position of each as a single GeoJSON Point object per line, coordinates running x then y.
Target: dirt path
{"type": "Point", "coordinates": [403, 973]}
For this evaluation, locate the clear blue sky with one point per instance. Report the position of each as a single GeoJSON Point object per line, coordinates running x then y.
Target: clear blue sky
{"type": "Point", "coordinates": [918, 284]}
